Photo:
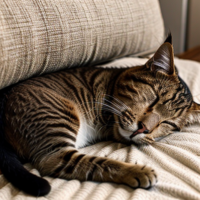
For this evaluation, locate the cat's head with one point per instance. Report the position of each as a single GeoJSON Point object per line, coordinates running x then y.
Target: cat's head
{"type": "Point", "coordinates": [155, 99]}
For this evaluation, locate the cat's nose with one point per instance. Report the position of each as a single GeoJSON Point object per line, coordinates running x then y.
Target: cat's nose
{"type": "Point", "coordinates": [151, 121]}
{"type": "Point", "coordinates": [142, 128]}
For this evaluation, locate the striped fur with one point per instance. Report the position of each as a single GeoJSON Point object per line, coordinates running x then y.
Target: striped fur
{"type": "Point", "coordinates": [47, 119]}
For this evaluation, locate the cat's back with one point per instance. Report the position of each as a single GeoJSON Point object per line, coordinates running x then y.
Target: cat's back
{"type": "Point", "coordinates": [57, 97]}
{"type": "Point", "coordinates": [66, 83]}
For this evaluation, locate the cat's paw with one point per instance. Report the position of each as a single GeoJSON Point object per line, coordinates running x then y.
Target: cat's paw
{"type": "Point", "coordinates": [140, 176]}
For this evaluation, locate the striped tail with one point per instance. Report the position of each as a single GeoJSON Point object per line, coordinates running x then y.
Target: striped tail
{"type": "Point", "coordinates": [12, 168]}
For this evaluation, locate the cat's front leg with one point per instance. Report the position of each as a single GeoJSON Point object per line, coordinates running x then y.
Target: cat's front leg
{"type": "Point", "coordinates": [84, 167]}
{"type": "Point", "coordinates": [134, 175]}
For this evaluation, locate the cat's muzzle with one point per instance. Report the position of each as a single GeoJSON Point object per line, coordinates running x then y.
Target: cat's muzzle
{"type": "Point", "coordinates": [141, 129]}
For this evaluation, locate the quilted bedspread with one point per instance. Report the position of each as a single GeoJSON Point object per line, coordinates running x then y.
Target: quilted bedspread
{"type": "Point", "coordinates": [175, 158]}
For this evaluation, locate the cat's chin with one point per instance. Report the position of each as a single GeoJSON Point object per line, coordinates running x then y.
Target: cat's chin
{"type": "Point", "coordinates": [138, 139]}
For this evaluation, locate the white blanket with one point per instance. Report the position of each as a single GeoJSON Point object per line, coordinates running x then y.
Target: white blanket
{"type": "Point", "coordinates": [176, 159]}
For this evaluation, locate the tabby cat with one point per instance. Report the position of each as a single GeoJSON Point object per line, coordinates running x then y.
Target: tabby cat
{"type": "Point", "coordinates": [45, 120]}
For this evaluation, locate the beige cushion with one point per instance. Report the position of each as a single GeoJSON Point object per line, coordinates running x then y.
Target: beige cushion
{"type": "Point", "coordinates": [40, 36]}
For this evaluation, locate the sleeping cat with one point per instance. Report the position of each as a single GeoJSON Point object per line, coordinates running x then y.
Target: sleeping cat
{"type": "Point", "coordinates": [45, 120]}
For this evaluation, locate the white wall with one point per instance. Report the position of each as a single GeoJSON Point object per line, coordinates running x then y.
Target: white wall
{"type": "Point", "coordinates": [175, 18]}
{"type": "Point", "coordinates": [193, 34]}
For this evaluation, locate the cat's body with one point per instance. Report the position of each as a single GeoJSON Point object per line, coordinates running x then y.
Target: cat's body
{"type": "Point", "coordinates": [47, 119]}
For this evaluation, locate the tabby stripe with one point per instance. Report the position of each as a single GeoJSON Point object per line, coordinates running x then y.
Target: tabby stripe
{"type": "Point", "coordinates": [43, 83]}
{"type": "Point", "coordinates": [62, 125]}
{"type": "Point", "coordinates": [155, 102]}
{"type": "Point", "coordinates": [120, 122]}
{"type": "Point", "coordinates": [68, 155]}
{"type": "Point", "coordinates": [74, 91]}
{"type": "Point", "coordinates": [123, 95]}
{"type": "Point", "coordinates": [98, 84]}
{"type": "Point", "coordinates": [62, 113]}
{"type": "Point", "coordinates": [93, 77]}
{"type": "Point", "coordinates": [177, 109]}
{"type": "Point", "coordinates": [21, 97]}
{"type": "Point", "coordinates": [94, 167]}
{"type": "Point", "coordinates": [98, 163]}
{"type": "Point", "coordinates": [51, 148]}
{"type": "Point", "coordinates": [62, 134]}
{"type": "Point", "coordinates": [58, 170]}
{"type": "Point", "coordinates": [85, 76]}
{"type": "Point", "coordinates": [42, 149]}
{"type": "Point", "coordinates": [140, 80]}
{"type": "Point", "coordinates": [57, 147]}
{"type": "Point", "coordinates": [44, 107]}
{"type": "Point", "coordinates": [172, 124]}
{"type": "Point", "coordinates": [39, 111]}
{"type": "Point", "coordinates": [54, 133]}
{"type": "Point", "coordinates": [32, 93]}
{"type": "Point", "coordinates": [57, 84]}
{"type": "Point", "coordinates": [33, 83]}
{"type": "Point", "coordinates": [33, 125]}
{"type": "Point", "coordinates": [101, 161]}
{"type": "Point", "coordinates": [131, 89]}
{"type": "Point", "coordinates": [61, 144]}
{"type": "Point", "coordinates": [53, 100]}
{"type": "Point", "coordinates": [113, 80]}
{"type": "Point", "coordinates": [82, 82]}
{"type": "Point", "coordinates": [86, 101]}
{"type": "Point", "coordinates": [91, 172]}
{"type": "Point", "coordinates": [128, 116]}
{"type": "Point", "coordinates": [164, 93]}
{"type": "Point", "coordinates": [70, 168]}
{"type": "Point", "coordinates": [173, 97]}
{"type": "Point", "coordinates": [92, 159]}
{"type": "Point", "coordinates": [38, 116]}
{"type": "Point", "coordinates": [68, 106]}
{"type": "Point", "coordinates": [90, 97]}
{"type": "Point", "coordinates": [183, 109]}
{"type": "Point", "coordinates": [70, 117]}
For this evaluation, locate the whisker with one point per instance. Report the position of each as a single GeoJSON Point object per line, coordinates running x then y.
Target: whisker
{"type": "Point", "coordinates": [119, 101]}
{"type": "Point", "coordinates": [111, 108]}
{"type": "Point", "coordinates": [113, 112]}
{"type": "Point", "coordinates": [115, 104]}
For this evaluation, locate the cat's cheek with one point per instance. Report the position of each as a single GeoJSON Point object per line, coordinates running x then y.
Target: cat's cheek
{"type": "Point", "coordinates": [130, 130]}
{"type": "Point", "coordinates": [138, 139]}
{"type": "Point", "coordinates": [127, 133]}
{"type": "Point", "coordinates": [124, 133]}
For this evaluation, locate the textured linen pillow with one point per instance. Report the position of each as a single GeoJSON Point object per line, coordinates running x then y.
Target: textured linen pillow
{"type": "Point", "coordinates": [41, 36]}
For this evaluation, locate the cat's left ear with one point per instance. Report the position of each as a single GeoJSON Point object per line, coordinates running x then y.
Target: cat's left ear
{"type": "Point", "coordinates": [163, 59]}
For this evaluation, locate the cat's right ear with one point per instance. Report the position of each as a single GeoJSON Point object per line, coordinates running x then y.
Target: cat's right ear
{"type": "Point", "coordinates": [163, 59]}
{"type": "Point", "coordinates": [169, 39]}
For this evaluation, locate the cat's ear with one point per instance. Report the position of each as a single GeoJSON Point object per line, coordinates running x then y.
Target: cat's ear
{"type": "Point", "coordinates": [169, 38]}
{"type": "Point", "coordinates": [163, 59]}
